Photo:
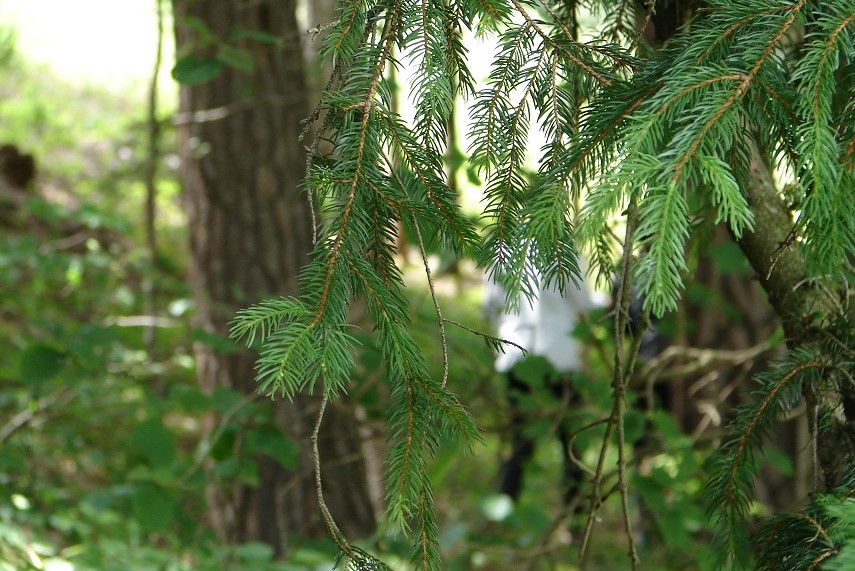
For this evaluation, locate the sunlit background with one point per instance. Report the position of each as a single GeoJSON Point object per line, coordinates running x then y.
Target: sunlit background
{"type": "Point", "coordinates": [108, 42]}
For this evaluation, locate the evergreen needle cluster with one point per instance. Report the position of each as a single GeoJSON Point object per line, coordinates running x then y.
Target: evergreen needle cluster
{"type": "Point", "coordinates": [677, 134]}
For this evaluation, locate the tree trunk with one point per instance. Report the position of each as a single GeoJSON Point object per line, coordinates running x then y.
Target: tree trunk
{"type": "Point", "coordinates": [804, 309]}
{"type": "Point", "coordinates": [250, 233]}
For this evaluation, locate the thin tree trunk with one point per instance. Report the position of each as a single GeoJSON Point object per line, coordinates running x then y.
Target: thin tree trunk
{"type": "Point", "coordinates": [150, 178]}
{"type": "Point", "coordinates": [250, 233]}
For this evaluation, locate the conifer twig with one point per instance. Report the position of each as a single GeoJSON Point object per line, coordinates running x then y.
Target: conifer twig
{"type": "Point", "coordinates": [650, 6]}
{"type": "Point", "coordinates": [622, 372]}
{"type": "Point", "coordinates": [436, 307]}
{"type": "Point", "coordinates": [336, 77]}
{"type": "Point", "coordinates": [322, 28]}
{"type": "Point", "coordinates": [334, 530]}
{"type": "Point", "coordinates": [487, 336]}
{"type": "Point", "coordinates": [601, 79]}
{"type": "Point", "coordinates": [738, 92]}
{"type": "Point", "coordinates": [366, 105]}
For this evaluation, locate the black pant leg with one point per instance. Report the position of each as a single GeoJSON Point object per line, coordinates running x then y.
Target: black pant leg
{"type": "Point", "coordinates": [522, 446]}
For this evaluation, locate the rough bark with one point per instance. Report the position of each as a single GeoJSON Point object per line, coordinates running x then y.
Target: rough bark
{"type": "Point", "coordinates": [777, 259]}
{"type": "Point", "coordinates": [803, 308]}
{"type": "Point", "coordinates": [250, 233]}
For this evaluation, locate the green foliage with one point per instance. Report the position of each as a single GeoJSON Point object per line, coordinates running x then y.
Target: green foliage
{"type": "Point", "coordinates": [841, 512]}
{"type": "Point", "coordinates": [827, 180]}
{"type": "Point", "coordinates": [102, 439]}
{"type": "Point", "coordinates": [818, 537]}
{"type": "Point", "coordinates": [359, 560]}
{"type": "Point", "coordinates": [210, 53]}
{"type": "Point", "coordinates": [669, 141]}
{"type": "Point", "coordinates": [106, 472]}
{"type": "Point", "coordinates": [730, 487]}
{"type": "Point", "coordinates": [8, 52]}
{"type": "Point", "coordinates": [40, 363]}
{"type": "Point", "coordinates": [191, 70]}
{"type": "Point", "coordinates": [818, 368]}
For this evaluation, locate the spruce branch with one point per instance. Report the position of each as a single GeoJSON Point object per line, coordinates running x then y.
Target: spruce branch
{"type": "Point", "coordinates": [436, 307]}
{"type": "Point", "coordinates": [622, 374]}
{"type": "Point", "coordinates": [261, 320]}
{"type": "Point", "coordinates": [674, 137]}
{"type": "Point", "coordinates": [818, 537]}
{"type": "Point", "coordinates": [334, 531]}
{"type": "Point", "coordinates": [700, 83]}
{"type": "Point", "coordinates": [516, 46]}
{"type": "Point", "coordinates": [741, 88]}
{"type": "Point", "coordinates": [733, 27]}
{"type": "Point", "coordinates": [366, 107]}
{"type": "Point", "coordinates": [599, 75]}
{"type": "Point", "coordinates": [425, 165]}
{"type": "Point", "coordinates": [828, 229]}
{"type": "Point", "coordinates": [495, 343]}
{"type": "Point", "coordinates": [733, 468]}
{"type": "Point", "coordinates": [354, 558]}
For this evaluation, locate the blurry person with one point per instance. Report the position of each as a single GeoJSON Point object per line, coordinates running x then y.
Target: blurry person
{"type": "Point", "coordinates": [543, 326]}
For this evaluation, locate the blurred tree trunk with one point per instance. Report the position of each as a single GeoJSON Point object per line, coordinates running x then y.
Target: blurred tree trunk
{"type": "Point", "coordinates": [725, 309]}
{"type": "Point", "coordinates": [250, 233]}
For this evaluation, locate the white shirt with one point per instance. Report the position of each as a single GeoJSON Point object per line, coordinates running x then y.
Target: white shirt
{"type": "Point", "coordinates": [543, 327]}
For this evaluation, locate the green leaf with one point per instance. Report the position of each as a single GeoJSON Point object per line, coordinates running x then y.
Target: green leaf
{"type": "Point", "coordinates": [673, 527]}
{"type": "Point", "coordinates": [255, 35]}
{"type": "Point", "coordinates": [153, 506]}
{"type": "Point", "coordinates": [222, 448]}
{"type": "Point", "coordinates": [219, 344]}
{"type": "Point", "coordinates": [779, 460]}
{"type": "Point", "coordinates": [248, 472]}
{"type": "Point", "coordinates": [530, 518]}
{"type": "Point", "coordinates": [243, 469]}
{"type": "Point", "coordinates": [151, 440]}
{"type": "Point", "coordinates": [226, 401]}
{"type": "Point", "coordinates": [200, 27]}
{"type": "Point", "coordinates": [533, 370]}
{"type": "Point", "coordinates": [236, 58]}
{"type": "Point", "coordinates": [270, 440]}
{"type": "Point", "coordinates": [254, 552]}
{"type": "Point", "coordinates": [670, 431]}
{"type": "Point", "coordinates": [39, 363]}
{"type": "Point", "coordinates": [190, 398]}
{"type": "Point", "coordinates": [191, 70]}
{"type": "Point", "coordinates": [634, 424]}
{"type": "Point", "coordinates": [90, 346]}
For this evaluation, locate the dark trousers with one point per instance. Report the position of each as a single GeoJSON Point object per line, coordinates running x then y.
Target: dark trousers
{"type": "Point", "coordinates": [522, 445]}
